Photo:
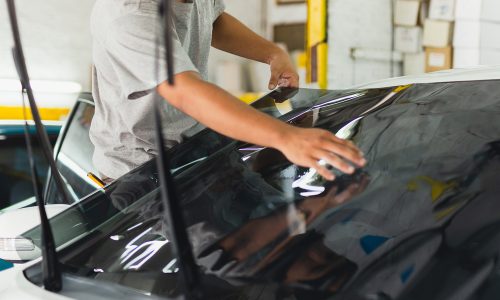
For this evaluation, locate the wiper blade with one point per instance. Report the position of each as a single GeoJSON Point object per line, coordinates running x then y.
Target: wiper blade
{"type": "Point", "coordinates": [50, 267]}
{"type": "Point", "coordinates": [22, 71]}
{"type": "Point", "coordinates": [174, 217]}
{"type": "Point", "coordinates": [52, 280]}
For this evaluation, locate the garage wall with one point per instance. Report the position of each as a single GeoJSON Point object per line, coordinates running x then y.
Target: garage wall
{"type": "Point", "coordinates": [56, 39]}
{"type": "Point", "coordinates": [66, 54]}
{"type": "Point", "coordinates": [228, 70]}
{"type": "Point", "coordinates": [238, 75]}
{"type": "Point", "coordinates": [353, 25]}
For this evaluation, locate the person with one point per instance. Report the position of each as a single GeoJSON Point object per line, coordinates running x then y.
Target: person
{"type": "Point", "coordinates": [127, 73]}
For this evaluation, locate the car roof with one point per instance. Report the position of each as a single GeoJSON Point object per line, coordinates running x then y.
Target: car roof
{"type": "Point", "coordinates": [453, 75]}
{"type": "Point", "coordinates": [15, 127]}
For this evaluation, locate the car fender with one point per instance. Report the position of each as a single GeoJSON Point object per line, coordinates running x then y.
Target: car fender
{"type": "Point", "coordinates": [16, 222]}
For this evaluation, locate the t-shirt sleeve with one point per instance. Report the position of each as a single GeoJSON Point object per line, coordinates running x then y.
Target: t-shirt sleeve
{"type": "Point", "coordinates": [131, 46]}
{"type": "Point", "coordinates": [219, 8]}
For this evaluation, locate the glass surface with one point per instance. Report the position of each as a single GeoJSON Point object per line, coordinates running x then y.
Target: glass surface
{"type": "Point", "coordinates": [123, 229]}
{"type": "Point", "coordinates": [74, 159]}
{"type": "Point", "coordinates": [420, 221]}
{"type": "Point", "coordinates": [15, 173]}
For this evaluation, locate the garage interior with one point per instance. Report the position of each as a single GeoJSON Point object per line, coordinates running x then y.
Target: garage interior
{"type": "Point", "coordinates": [403, 37]}
{"type": "Point", "coordinates": [412, 83]}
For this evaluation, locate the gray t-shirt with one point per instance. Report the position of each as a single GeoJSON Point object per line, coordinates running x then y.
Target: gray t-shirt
{"type": "Point", "coordinates": [124, 76]}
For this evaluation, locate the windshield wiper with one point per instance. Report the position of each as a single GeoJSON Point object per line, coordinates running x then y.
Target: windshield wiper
{"type": "Point", "coordinates": [52, 280]}
{"type": "Point", "coordinates": [190, 276]}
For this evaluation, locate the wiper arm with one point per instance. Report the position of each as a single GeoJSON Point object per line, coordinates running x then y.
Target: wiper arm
{"type": "Point", "coordinates": [188, 269]}
{"type": "Point", "coordinates": [22, 71]}
{"type": "Point", "coordinates": [50, 267]}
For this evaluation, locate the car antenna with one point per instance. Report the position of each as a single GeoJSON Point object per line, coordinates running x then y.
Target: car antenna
{"type": "Point", "coordinates": [52, 279]}
{"type": "Point", "coordinates": [188, 269]}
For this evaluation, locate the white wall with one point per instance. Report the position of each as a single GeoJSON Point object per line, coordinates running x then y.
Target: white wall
{"type": "Point", "coordinates": [260, 16]}
{"type": "Point", "coordinates": [284, 14]}
{"type": "Point", "coordinates": [56, 39]}
{"type": "Point", "coordinates": [250, 13]}
{"type": "Point", "coordinates": [358, 24]}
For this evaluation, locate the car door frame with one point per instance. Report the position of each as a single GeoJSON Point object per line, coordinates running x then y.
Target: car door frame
{"type": "Point", "coordinates": [83, 98]}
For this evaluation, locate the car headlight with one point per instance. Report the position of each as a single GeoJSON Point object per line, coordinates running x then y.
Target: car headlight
{"type": "Point", "coordinates": [16, 244]}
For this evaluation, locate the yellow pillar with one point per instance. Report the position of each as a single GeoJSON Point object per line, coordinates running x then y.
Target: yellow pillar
{"type": "Point", "coordinates": [316, 43]}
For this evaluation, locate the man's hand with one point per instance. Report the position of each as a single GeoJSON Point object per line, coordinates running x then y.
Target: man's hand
{"type": "Point", "coordinates": [306, 147]}
{"type": "Point", "coordinates": [222, 112]}
{"type": "Point", "coordinates": [283, 71]}
{"type": "Point", "coordinates": [232, 36]}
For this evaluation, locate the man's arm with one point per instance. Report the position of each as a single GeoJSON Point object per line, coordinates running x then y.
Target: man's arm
{"type": "Point", "coordinates": [222, 112]}
{"type": "Point", "coordinates": [230, 35]}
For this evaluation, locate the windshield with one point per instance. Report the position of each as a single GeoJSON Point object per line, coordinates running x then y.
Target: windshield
{"type": "Point", "coordinates": [120, 231]}
{"type": "Point", "coordinates": [255, 220]}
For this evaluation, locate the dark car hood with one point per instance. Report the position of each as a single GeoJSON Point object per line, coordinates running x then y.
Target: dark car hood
{"type": "Point", "coordinates": [420, 221]}
{"type": "Point", "coordinates": [429, 191]}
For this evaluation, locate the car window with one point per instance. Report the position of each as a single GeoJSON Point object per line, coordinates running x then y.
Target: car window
{"type": "Point", "coordinates": [118, 233]}
{"type": "Point", "coordinates": [15, 174]}
{"type": "Point", "coordinates": [74, 157]}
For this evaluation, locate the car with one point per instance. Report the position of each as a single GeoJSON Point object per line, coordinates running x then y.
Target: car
{"type": "Point", "coordinates": [15, 176]}
{"type": "Point", "coordinates": [73, 156]}
{"type": "Point", "coordinates": [420, 221]}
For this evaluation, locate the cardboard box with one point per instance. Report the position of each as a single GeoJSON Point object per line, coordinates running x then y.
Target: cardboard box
{"type": "Point", "coordinates": [408, 39]}
{"type": "Point", "coordinates": [414, 63]}
{"type": "Point", "coordinates": [424, 13]}
{"type": "Point", "coordinates": [437, 34]}
{"type": "Point", "coordinates": [478, 10]}
{"type": "Point", "coordinates": [477, 34]}
{"type": "Point", "coordinates": [438, 59]}
{"type": "Point", "coordinates": [464, 57]}
{"type": "Point", "coordinates": [406, 12]}
{"type": "Point", "coordinates": [442, 10]}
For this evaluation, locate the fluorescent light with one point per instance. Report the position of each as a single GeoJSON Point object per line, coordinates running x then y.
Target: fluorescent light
{"type": "Point", "coordinates": [42, 86]}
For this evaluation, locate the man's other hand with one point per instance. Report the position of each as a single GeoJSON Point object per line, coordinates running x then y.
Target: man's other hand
{"type": "Point", "coordinates": [283, 71]}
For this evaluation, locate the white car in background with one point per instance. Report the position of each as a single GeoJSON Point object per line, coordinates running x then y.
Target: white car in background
{"type": "Point", "coordinates": [73, 155]}
{"type": "Point", "coordinates": [15, 176]}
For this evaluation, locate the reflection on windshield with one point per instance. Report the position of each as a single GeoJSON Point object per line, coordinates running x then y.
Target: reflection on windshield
{"type": "Point", "coordinates": [397, 228]}
{"type": "Point", "coordinates": [131, 260]}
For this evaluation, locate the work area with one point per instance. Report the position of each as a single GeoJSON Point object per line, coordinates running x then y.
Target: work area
{"type": "Point", "coordinates": [257, 149]}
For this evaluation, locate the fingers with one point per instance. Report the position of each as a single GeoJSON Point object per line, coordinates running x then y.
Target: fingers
{"type": "Point", "coordinates": [320, 169]}
{"type": "Point", "coordinates": [289, 80]}
{"type": "Point", "coordinates": [346, 149]}
{"type": "Point", "coordinates": [343, 142]}
{"type": "Point", "coordinates": [323, 171]}
{"type": "Point", "coordinates": [273, 82]}
{"type": "Point", "coordinates": [332, 151]}
{"type": "Point", "coordinates": [283, 79]}
{"type": "Point", "coordinates": [341, 147]}
{"type": "Point", "coordinates": [317, 149]}
{"type": "Point", "coordinates": [334, 161]}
